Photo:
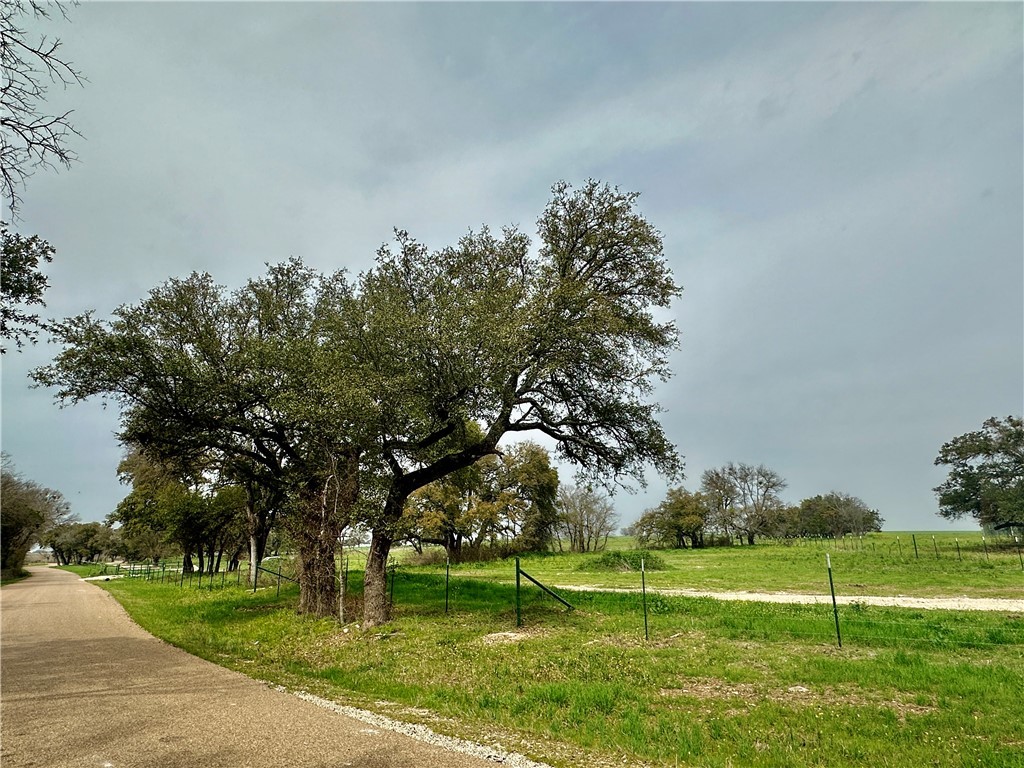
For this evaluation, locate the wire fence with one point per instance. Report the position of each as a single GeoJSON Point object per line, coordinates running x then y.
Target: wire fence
{"type": "Point", "coordinates": [1005, 549]}
{"type": "Point", "coordinates": [659, 616]}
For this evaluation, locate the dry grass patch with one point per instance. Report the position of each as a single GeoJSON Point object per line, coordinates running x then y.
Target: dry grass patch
{"type": "Point", "coordinates": [752, 695]}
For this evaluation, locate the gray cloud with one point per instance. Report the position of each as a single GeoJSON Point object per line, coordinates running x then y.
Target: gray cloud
{"type": "Point", "coordinates": [839, 186]}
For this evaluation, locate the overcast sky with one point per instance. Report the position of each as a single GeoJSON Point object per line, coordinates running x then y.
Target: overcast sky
{"type": "Point", "coordinates": [839, 188]}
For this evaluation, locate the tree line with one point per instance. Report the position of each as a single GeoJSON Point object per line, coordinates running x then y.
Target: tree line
{"type": "Point", "coordinates": [743, 501]}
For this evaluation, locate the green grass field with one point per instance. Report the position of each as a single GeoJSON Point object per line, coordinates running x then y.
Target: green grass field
{"type": "Point", "coordinates": [717, 684]}
{"type": "Point", "coordinates": [880, 564]}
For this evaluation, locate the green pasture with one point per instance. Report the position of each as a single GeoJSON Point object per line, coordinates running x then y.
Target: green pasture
{"type": "Point", "coordinates": [717, 683]}
{"type": "Point", "coordinates": [879, 564]}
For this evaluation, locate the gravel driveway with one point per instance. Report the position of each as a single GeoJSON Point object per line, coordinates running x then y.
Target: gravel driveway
{"type": "Point", "coordinates": [82, 685]}
{"type": "Point", "coordinates": [1008, 605]}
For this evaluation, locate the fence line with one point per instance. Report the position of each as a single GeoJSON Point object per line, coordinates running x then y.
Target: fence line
{"type": "Point", "coordinates": [854, 623]}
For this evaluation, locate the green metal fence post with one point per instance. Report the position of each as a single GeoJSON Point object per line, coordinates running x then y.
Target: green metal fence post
{"type": "Point", "coordinates": [447, 578]}
{"type": "Point", "coordinates": [643, 588]}
{"type": "Point", "coordinates": [835, 608]}
{"type": "Point", "coordinates": [519, 612]}
{"type": "Point", "coordinates": [917, 555]}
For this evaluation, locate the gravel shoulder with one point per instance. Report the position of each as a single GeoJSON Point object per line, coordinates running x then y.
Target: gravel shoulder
{"type": "Point", "coordinates": [899, 601]}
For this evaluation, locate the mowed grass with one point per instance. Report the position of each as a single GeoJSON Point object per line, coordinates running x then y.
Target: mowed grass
{"type": "Point", "coordinates": [717, 684]}
{"type": "Point", "coordinates": [879, 564]}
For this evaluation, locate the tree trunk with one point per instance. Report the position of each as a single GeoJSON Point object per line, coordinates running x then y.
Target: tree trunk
{"type": "Point", "coordinates": [318, 592]}
{"type": "Point", "coordinates": [324, 507]}
{"type": "Point", "coordinates": [750, 539]}
{"type": "Point", "coordinates": [260, 518]}
{"type": "Point", "coordinates": [376, 607]}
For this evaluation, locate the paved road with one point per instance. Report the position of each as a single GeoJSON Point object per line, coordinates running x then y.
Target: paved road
{"type": "Point", "coordinates": [82, 685]}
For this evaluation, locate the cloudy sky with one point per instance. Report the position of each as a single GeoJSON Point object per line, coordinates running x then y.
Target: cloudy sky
{"type": "Point", "coordinates": [839, 188]}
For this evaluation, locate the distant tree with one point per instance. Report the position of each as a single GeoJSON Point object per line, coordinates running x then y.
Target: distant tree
{"type": "Point", "coordinates": [30, 138]}
{"type": "Point", "coordinates": [529, 474]}
{"type": "Point", "coordinates": [744, 499]}
{"type": "Point", "coordinates": [586, 518]}
{"type": "Point", "coordinates": [198, 517]}
{"type": "Point", "coordinates": [835, 514]}
{"type": "Point", "coordinates": [27, 510]}
{"type": "Point", "coordinates": [722, 497]}
{"type": "Point", "coordinates": [77, 543]}
{"type": "Point", "coordinates": [508, 498]}
{"type": "Point", "coordinates": [679, 516]}
{"type": "Point", "coordinates": [986, 473]}
{"type": "Point", "coordinates": [22, 284]}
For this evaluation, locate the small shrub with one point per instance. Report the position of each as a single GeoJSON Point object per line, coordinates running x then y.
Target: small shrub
{"type": "Point", "coordinates": [624, 560]}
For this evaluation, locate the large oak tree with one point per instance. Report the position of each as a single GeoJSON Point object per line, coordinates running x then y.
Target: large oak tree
{"type": "Point", "coordinates": [564, 342]}
{"type": "Point", "coordinates": [350, 397]}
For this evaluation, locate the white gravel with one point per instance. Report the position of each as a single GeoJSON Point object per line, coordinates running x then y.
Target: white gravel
{"type": "Point", "coordinates": [964, 603]}
{"type": "Point", "coordinates": [494, 754]}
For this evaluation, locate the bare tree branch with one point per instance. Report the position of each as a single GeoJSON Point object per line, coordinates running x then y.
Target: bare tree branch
{"type": "Point", "coordinates": [29, 138]}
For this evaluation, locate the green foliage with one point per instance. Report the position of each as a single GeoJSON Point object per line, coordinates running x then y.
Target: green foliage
{"type": "Point", "coordinates": [986, 473]}
{"type": "Point", "coordinates": [27, 511]}
{"type": "Point", "coordinates": [339, 400]}
{"type": "Point", "coordinates": [169, 509]}
{"type": "Point", "coordinates": [680, 515]}
{"type": "Point", "coordinates": [80, 542]}
{"type": "Point", "coordinates": [833, 514]}
{"type": "Point", "coordinates": [22, 284]}
{"type": "Point", "coordinates": [624, 560]}
{"type": "Point", "coordinates": [506, 499]}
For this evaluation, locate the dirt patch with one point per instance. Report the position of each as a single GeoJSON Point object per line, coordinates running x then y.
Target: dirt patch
{"type": "Point", "coordinates": [750, 695]}
{"type": "Point", "coordinates": [504, 638]}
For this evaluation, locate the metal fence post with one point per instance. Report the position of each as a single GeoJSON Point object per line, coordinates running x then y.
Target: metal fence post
{"type": "Point", "coordinates": [835, 608]}
{"type": "Point", "coordinates": [643, 588]}
{"type": "Point", "coordinates": [519, 611]}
